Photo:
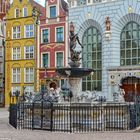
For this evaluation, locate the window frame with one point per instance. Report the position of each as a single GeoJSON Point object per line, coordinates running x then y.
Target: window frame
{"type": "Point", "coordinates": [92, 58]}
{"type": "Point", "coordinates": [29, 53]}
{"type": "Point", "coordinates": [16, 32]}
{"type": "Point", "coordinates": [55, 11]}
{"type": "Point", "coordinates": [42, 35]}
{"type": "Point", "coordinates": [16, 53]}
{"type": "Point", "coordinates": [56, 33]}
{"type": "Point", "coordinates": [56, 58]}
{"type": "Point", "coordinates": [29, 31]}
{"type": "Point", "coordinates": [29, 75]}
{"type": "Point", "coordinates": [17, 75]}
{"type": "Point", "coordinates": [48, 59]}
{"type": "Point", "coordinates": [25, 15]}
{"type": "Point", "coordinates": [17, 13]}
{"type": "Point", "coordinates": [129, 44]}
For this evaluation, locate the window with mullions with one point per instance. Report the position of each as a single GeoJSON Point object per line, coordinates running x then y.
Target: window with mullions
{"type": "Point", "coordinates": [59, 34]}
{"type": "Point", "coordinates": [29, 75]}
{"type": "Point", "coordinates": [45, 58]}
{"type": "Point", "coordinates": [59, 59]}
{"type": "Point", "coordinates": [25, 13]}
{"type": "Point", "coordinates": [16, 53]}
{"type": "Point", "coordinates": [16, 32]}
{"type": "Point", "coordinates": [29, 52]}
{"type": "Point", "coordinates": [53, 12]}
{"type": "Point", "coordinates": [130, 44]}
{"type": "Point", "coordinates": [29, 31]}
{"type": "Point", "coordinates": [16, 75]}
{"type": "Point", "coordinates": [92, 58]}
{"type": "Point", "coordinates": [45, 35]}
{"type": "Point", "coordinates": [17, 12]}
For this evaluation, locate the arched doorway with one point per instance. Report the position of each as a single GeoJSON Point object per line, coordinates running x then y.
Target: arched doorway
{"type": "Point", "coordinates": [131, 86]}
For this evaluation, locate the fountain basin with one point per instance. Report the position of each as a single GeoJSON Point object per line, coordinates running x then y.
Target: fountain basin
{"type": "Point", "coordinates": [74, 72]}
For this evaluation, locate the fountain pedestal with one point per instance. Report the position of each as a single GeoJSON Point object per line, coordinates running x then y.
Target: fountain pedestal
{"type": "Point", "coordinates": [76, 87]}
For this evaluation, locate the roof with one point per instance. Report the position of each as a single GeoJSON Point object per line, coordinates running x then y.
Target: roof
{"type": "Point", "coordinates": [64, 5]}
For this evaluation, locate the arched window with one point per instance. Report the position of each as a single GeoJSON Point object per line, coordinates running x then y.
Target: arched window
{"type": "Point", "coordinates": [92, 58]}
{"type": "Point", "coordinates": [130, 44]}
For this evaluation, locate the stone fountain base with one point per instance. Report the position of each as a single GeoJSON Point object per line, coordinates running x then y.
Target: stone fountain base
{"type": "Point", "coordinates": [76, 87]}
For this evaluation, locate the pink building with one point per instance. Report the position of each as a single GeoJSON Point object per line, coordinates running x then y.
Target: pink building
{"type": "Point", "coordinates": [53, 43]}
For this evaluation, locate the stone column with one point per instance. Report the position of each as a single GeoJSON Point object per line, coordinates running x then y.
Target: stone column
{"type": "Point", "coordinates": [76, 87]}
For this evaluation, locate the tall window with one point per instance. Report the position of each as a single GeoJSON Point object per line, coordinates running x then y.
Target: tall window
{"type": "Point", "coordinates": [45, 58]}
{"type": "Point", "coordinates": [25, 12]}
{"type": "Point", "coordinates": [16, 75]}
{"type": "Point", "coordinates": [130, 45]}
{"type": "Point", "coordinates": [16, 32]}
{"type": "Point", "coordinates": [16, 53]}
{"type": "Point", "coordinates": [29, 31]}
{"type": "Point", "coordinates": [17, 13]}
{"type": "Point", "coordinates": [53, 12]}
{"type": "Point", "coordinates": [29, 75]}
{"type": "Point", "coordinates": [29, 52]}
{"type": "Point", "coordinates": [92, 58]}
{"type": "Point", "coordinates": [59, 59]}
{"type": "Point", "coordinates": [59, 34]}
{"type": "Point", "coordinates": [45, 36]}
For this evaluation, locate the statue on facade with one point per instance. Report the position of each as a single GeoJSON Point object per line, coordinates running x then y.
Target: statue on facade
{"type": "Point", "coordinates": [75, 55]}
{"type": "Point", "coordinates": [107, 23]}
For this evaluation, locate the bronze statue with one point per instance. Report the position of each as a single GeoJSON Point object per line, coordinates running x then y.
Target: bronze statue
{"type": "Point", "coordinates": [107, 22]}
{"type": "Point", "coordinates": [73, 38]}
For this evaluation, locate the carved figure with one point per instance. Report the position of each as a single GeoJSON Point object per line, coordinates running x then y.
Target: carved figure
{"type": "Point", "coordinates": [73, 38]}
{"type": "Point", "coordinates": [107, 22]}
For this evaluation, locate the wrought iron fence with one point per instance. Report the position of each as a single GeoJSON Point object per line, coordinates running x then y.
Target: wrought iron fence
{"type": "Point", "coordinates": [75, 117]}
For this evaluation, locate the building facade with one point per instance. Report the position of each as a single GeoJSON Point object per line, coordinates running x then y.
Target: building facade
{"type": "Point", "coordinates": [21, 48]}
{"type": "Point", "coordinates": [53, 44]}
{"type": "Point", "coordinates": [110, 33]}
{"type": "Point", "coordinates": [4, 6]}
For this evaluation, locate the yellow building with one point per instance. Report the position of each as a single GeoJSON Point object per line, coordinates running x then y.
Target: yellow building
{"type": "Point", "coordinates": [21, 48]}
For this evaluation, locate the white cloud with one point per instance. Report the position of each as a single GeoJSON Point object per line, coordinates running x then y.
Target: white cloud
{"type": "Point", "coordinates": [42, 2]}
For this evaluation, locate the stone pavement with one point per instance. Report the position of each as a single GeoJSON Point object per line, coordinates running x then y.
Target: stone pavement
{"type": "Point", "coordinates": [7, 132]}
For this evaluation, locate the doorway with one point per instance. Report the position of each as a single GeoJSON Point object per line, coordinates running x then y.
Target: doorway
{"type": "Point", "coordinates": [131, 86]}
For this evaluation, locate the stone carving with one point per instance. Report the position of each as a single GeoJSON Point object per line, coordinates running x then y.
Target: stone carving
{"type": "Point", "coordinates": [107, 23]}
{"type": "Point", "coordinates": [118, 96]}
{"type": "Point", "coordinates": [91, 96]}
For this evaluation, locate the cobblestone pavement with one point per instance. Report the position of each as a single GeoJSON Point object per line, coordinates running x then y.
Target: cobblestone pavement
{"type": "Point", "coordinates": [7, 132]}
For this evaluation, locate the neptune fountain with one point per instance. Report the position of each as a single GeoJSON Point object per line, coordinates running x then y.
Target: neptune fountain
{"type": "Point", "coordinates": [74, 72]}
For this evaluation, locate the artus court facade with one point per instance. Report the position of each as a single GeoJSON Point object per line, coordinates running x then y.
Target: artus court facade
{"type": "Point", "coordinates": [110, 33]}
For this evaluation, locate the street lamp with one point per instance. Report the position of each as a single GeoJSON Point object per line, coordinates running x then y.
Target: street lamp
{"type": "Point", "coordinates": [35, 14]}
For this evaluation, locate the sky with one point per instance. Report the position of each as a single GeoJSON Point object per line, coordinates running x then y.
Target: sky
{"type": "Point", "coordinates": [42, 2]}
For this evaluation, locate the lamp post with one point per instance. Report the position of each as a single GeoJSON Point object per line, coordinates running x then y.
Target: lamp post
{"type": "Point", "coordinates": [45, 88]}
{"type": "Point", "coordinates": [35, 14]}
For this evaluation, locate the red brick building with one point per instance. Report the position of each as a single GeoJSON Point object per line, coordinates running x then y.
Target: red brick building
{"type": "Point", "coordinates": [4, 6]}
{"type": "Point", "coordinates": [53, 43]}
